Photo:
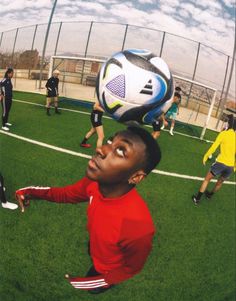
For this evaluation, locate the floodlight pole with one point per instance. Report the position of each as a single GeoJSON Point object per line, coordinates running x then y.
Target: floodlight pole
{"type": "Point", "coordinates": [45, 43]}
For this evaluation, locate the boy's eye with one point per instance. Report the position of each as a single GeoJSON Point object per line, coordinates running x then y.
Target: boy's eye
{"type": "Point", "coordinates": [120, 151]}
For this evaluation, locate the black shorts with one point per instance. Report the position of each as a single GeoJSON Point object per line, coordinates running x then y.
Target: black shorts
{"type": "Point", "coordinates": [220, 169]}
{"type": "Point", "coordinates": [96, 118]}
{"type": "Point", "coordinates": [52, 93]}
{"type": "Point", "coordinates": [156, 125]}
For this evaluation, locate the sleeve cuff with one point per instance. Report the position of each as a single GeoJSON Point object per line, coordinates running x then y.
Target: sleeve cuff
{"type": "Point", "coordinates": [87, 283]}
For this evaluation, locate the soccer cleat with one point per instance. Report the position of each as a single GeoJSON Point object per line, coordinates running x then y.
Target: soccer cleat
{"type": "Point", "coordinates": [57, 112]}
{"type": "Point", "coordinates": [171, 133]}
{"type": "Point", "coordinates": [162, 128]}
{"type": "Point", "coordinates": [194, 199]}
{"type": "Point", "coordinates": [5, 128]}
{"type": "Point", "coordinates": [48, 113]}
{"type": "Point", "coordinates": [87, 145]}
{"type": "Point", "coordinates": [8, 124]}
{"type": "Point", "coordinates": [208, 194]}
{"type": "Point", "coordinates": [9, 205]}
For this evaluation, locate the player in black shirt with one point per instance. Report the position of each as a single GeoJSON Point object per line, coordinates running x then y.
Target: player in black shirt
{"type": "Point", "coordinates": [52, 92]}
{"type": "Point", "coordinates": [6, 97]}
{"type": "Point", "coordinates": [3, 200]}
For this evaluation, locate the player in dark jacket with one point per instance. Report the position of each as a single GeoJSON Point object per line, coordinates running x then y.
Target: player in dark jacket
{"type": "Point", "coordinates": [119, 223]}
{"type": "Point", "coordinates": [52, 92]}
{"type": "Point", "coordinates": [6, 97]}
{"type": "Point", "coordinates": [3, 199]}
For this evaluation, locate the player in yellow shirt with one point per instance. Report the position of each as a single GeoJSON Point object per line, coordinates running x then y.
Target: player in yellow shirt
{"type": "Point", "coordinates": [225, 161]}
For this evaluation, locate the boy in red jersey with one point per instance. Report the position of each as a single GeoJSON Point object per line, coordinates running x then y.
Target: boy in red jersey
{"type": "Point", "coordinates": [119, 223]}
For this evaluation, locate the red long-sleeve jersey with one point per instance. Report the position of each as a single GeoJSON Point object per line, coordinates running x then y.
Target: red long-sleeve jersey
{"type": "Point", "coordinates": [120, 229]}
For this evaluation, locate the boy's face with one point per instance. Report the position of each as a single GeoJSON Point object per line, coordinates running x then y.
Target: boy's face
{"type": "Point", "coordinates": [117, 160]}
{"type": "Point", "coordinates": [176, 99]}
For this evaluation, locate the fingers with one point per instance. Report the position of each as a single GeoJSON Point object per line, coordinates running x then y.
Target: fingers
{"type": "Point", "coordinates": [23, 199]}
{"type": "Point", "coordinates": [20, 198]}
{"type": "Point", "coordinates": [21, 202]}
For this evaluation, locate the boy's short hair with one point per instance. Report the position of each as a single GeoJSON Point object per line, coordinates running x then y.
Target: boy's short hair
{"type": "Point", "coordinates": [176, 94]}
{"type": "Point", "coordinates": [56, 72]}
{"type": "Point", "coordinates": [232, 122]}
{"type": "Point", "coordinates": [178, 89]}
{"type": "Point", "coordinates": [9, 70]}
{"type": "Point", "coordinates": [152, 152]}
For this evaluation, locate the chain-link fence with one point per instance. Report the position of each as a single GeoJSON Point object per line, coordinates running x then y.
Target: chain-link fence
{"type": "Point", "coordinates": [22, 49]}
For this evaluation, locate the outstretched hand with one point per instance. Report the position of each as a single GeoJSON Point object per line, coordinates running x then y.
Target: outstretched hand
{"type": "Point", "coordinates": [23, 201]}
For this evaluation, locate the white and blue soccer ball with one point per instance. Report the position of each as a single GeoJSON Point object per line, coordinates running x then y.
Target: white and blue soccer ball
{"type": "Point", "coordinates": [135, 85]}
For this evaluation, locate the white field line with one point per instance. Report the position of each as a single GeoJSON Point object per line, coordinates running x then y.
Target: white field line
{"type": "Point", "coordinates": [59, 149]}
{"type": "Point", "coordinates": [107, 117]}
{"type": "Point", "coordinates": [73, 153]}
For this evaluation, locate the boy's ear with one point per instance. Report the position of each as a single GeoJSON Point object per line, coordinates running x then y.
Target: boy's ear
{"type": "Point", "coordinates": [137, 177]}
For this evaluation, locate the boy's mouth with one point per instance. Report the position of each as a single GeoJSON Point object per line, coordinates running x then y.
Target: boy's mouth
{"type": "Point", "coordinates": [93, 164]}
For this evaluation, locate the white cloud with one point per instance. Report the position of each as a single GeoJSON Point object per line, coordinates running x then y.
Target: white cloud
{"type": "Point", "coordinates": [184, 13]}
{"type": "Point", "coordinates": [169, 3]}
{"type": "Point", "coordinates": [146, 1]}
{"type": "Point", "coordinates": [205, 21]}
{"type": "Point", "coordinates": [230, 3]}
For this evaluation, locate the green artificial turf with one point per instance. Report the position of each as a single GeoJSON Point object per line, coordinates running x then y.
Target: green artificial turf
{"type": "Point", "coordinates": [193, 256]}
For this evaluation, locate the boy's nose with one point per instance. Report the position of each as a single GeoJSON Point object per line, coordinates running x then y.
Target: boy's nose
{"type": "Point", "coordinates": [103, 150]}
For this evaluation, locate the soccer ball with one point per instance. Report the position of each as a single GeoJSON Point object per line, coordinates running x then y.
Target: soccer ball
{"type": "Point", "coordinates": [135, 85]}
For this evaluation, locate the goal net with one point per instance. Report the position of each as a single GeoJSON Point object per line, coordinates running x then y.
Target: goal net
{"type": "Point", "coordinates": [79, 70]}
{"type": "Point", "coordinates": [198, 108]}
{"type": "Point", "coordinates": [199, 105]}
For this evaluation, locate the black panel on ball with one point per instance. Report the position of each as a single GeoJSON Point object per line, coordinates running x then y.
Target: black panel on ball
{"type": "Point", "coordinates": [109, 62]}
{"type": "Point", "coordinates": [143, 63]}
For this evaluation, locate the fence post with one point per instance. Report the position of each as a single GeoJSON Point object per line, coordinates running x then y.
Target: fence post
{"type": "Point", "coordinates": [45, 43]}
{"type": "Point", "coordinates": [194, 73]}
{"type": "Point", "coordinates": [89, 34]}
{"type": "Point", "coordinates": [123, 44]}
{"type": "Point", "coordinates": [58, 36]}
{"type": "Point", "coordinates": [229, 82]}
{"type": "Point", "coordinates": [86, 51]}
{"type": "Point", "coordinates": [35, 30]}
{"type": "Point", "coordinates": [162, 43]}
{"type": "Point", "coordinates": [32, 46]}
{"type": "Point", "coordinates": [1, 39]}
{"type": "Point", "coordinates": [222, 91]}
{"type": "Point", "coordinates": [14, 45]}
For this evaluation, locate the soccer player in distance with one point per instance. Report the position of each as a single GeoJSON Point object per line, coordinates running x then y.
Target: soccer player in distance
{"type": "Point", "coordinates": [6, 97]}
{"type": "Point", "coordinates": [172, 113]}
{"type": "Point", "coordinates": [3, 199]}
{"type": "Point", "coordinates": [156, 126]}
{"type": "Point", "coordinates": [160, 122]}
{"type": "Point", "coordinates": [119, 223]}
{"type": "Point", "coordinates": [97, 127]}
{"type": "Point", "coordinates": [52, 92]}
{"type": "Point", "coordinates": [225, 161]}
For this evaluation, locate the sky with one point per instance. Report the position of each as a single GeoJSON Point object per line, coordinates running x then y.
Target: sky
{"type": "Point", "coordinates": [211, 22]}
